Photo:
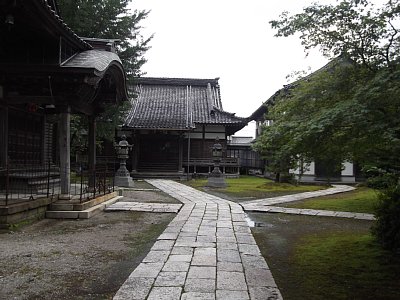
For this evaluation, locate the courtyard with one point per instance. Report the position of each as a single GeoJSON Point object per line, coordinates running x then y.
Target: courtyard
{"type": "Point", "coordinates": [309, 257]}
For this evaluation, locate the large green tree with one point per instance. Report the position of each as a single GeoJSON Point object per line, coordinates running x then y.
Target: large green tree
{"type": "Point", "coordinates": [349, 109]}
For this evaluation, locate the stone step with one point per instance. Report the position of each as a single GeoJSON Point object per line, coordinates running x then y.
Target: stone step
{"type": "Point", "coordinates": [76, 205]}
{"type": "Point", "coordinates": [83, 214]}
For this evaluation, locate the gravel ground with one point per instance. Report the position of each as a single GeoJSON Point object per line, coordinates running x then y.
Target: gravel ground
{"type": "Point", "coordinates": [78, 259]}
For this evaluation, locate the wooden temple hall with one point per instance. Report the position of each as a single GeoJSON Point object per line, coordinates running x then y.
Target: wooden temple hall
{"type": "Point", "coordinates": [48, 74]}
{"type": "Point", "coordinates": [173, 125]}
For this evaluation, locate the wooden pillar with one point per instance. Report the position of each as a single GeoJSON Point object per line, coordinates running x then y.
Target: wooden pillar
{"type": "Point", "coordinates": [180, 163]}
{"type": "Point", "coordinates": [65, 153]}
{"type": "Point", "coordinates": [92, 152]}
{"type": "Point", "coordinates": [43, 154]}
{"type": "Point", "coordinates": [3, 136]}
{"type": "Point", "coordinates": [135, 151]}
{"type": "Point", "coordinates": [92, 143]}
{"type": "Point", "coordinates": [203, 142]}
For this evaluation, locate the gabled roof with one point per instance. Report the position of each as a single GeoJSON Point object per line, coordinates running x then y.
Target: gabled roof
{"type": "Point", "coordinates": [179, 104]}
{"type": "Point", "coordinates": [36, 42]}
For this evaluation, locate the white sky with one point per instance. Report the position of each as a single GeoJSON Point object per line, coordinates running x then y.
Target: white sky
{"type": "Point", "coordinates": [230, 39]}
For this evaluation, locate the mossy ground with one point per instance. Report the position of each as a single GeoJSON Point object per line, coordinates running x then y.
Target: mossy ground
{"type": "Point", "coordinates": [254, 187]}
{"type": "Point", "coordinates": [326, 258]}
{"type": "Point", "coordinates": [361, 200]}
{"type": "Point", "coordinates": [346, 265]}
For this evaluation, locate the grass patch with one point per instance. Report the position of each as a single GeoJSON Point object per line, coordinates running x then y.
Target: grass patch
{"type": "Point", "coordinates": [345, 266]}
{"type": "Point", "coordinates": [251, 186]}
{"type": "Point", "coordinates": [361, 200]}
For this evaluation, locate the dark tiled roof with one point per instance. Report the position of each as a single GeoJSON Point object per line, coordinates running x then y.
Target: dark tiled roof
{"type": "Point", "coordinates": [98, 60]}
{"type": "Point", "coordinates": [50, 10]}
{"type": "Point", "coordinates": [241, 140]}
{"type": "Point", "coordinates": [178, 103]}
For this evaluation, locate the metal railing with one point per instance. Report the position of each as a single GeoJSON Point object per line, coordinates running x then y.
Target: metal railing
{"type": "Point", "coordinates": [88, 184]}
{"type": "Point", "coordinates": [22, 183]}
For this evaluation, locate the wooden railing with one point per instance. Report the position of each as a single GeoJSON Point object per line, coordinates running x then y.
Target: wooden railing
{"type": "Point", "coordinates": [227, 161]}
{"type": "Point", "coordinates": [227, 165]}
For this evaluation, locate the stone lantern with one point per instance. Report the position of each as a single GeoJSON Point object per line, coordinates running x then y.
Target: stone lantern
{"type": "Point", "coordinates": [122, 176]}
{"type": "Point", "coordinates": [216, 178]}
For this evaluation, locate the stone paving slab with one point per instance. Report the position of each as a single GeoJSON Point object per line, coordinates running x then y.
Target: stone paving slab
{"type": "Point", "coordinates": [310, 212]}
{"type": "Point", "coordinates": [300, 196]}
{"type": "Point", "coordinates": [206, 252]}
{"type": "Point", "coordinates": [145, 207]}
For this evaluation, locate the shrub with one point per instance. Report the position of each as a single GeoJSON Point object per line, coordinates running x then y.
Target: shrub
{"type": "Point", "coordinates": [380, 179]}
{"type": "Point", "coordinates": [387, 226]}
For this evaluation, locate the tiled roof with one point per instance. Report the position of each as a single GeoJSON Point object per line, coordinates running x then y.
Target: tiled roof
{"type": "Point", "coordinates": [178, 103]}
{"type": "Point", "coordinates": [241, 140]}
{"type": "Point", "coordinates": [59, 23]}
{"type": "Point", "coordinates": [98, 60]}
{"type": "Point", "coordinates": [263, 109]}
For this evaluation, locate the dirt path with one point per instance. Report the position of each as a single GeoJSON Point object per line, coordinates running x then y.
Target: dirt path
{"type": "Point", "coordinates": [76, 259]}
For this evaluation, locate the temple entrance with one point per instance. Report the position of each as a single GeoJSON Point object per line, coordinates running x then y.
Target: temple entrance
{"type": "Point", "coordinates": [327, 169]}
{"type": "Point", "coordinates": [158, 152]}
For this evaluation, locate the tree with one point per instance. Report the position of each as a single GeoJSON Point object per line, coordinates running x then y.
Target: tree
{"type": "Point", "coordinates": [108, 19]}
{"type": "Point", "coordinates": [353, 102]}
{"type": "Point", "coordinates": [350, 108]}
{"type": "Point", "coordinates": [368, 35]}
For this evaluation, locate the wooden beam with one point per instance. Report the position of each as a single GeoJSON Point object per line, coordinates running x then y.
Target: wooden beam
{"type": "Point", "coordinates": [32, 99]}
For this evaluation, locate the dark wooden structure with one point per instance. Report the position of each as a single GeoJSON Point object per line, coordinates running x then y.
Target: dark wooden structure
{"type": "Point", "coordinates": [250, 161]}
{"type": "Point", "coordinates": [173, 125]}
{"type": "Point", "coordinates": [48, 73]}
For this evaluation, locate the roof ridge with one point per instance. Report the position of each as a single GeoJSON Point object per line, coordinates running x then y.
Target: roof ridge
{"type": "Point", "coordinates": [228, 113]}
{"type": "Point", "coordinates": [177, 81]}
{"type": "Point", "coordinates": [60, 21]}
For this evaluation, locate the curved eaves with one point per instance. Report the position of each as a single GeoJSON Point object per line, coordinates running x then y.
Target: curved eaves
{"type": "Point", "coordinates": [99, 64]}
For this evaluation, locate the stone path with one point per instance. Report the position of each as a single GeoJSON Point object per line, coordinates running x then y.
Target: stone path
{"type": "Point", "coordinates": [146, 207]}
{"type": "Point", "coordinates": [206, 252]}
{"type": "Point", "coordinates": [309, 212]}
{"type": "Point", "coordinates": [300, 196]}
{"type": "Point", "coordinates": [266, 205]}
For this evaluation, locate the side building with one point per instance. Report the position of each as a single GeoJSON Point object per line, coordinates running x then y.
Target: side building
{"type": "Point", "coordinates": [173, 124]}
{"type": "Point", "coordinates": [47, 74]}
{"type": "Point", "coordinates": [315, 171]}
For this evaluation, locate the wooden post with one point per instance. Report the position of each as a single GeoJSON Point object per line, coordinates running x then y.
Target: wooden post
{"type": "Point", "coordinates": [180, 163]}
{"type": "Point", "coordinates": [135, 151]}
{"type": "Point", "coordinates": [65, 153]}
{"type": "Point", "coordinates": [92, 150]}
{"type": "Point", "coordinates": [3, 136]}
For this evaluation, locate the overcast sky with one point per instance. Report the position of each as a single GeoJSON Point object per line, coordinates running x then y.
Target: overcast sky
{"type": "Point", "coordinates": [229, 39]}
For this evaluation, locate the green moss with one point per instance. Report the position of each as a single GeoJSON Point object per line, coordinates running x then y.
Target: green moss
{"type": "Point", "coordinates": [361, 200]}
{"type": "Point", "coordinates": [345, 266]}
{"type": "Point", "coordinates": [257, 187]}
{"type": "Point", "coordinates": [21, 224]}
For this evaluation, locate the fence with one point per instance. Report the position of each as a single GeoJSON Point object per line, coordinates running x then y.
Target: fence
{"type": "Point", "coordinates": [205, 165]}
{"type": "Point", "coordinates": [20, 182]}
